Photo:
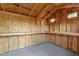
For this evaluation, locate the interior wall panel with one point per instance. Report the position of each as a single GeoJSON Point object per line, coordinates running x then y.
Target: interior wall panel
{"type": "Point", "coordinates": [13, 43]}
{"type": "Point", "coordinates": [75, 44]}
{"type": "Point", "coordinates": [21, 41]}
{"type": "Point", "coordinates": [63, 20]}
{"type": "Point", "coordinates": [4, 44]}
{"type": "Point", "coordinates": [4, 24]}
{"type": "Point", "coordinates": [57, 22]}
{"type": "Point", "coordinates": [64, 41]}
{"type": "Point", "coordinates": [65, 25]}
{"type": "Point", "coordinates": [58, 39]}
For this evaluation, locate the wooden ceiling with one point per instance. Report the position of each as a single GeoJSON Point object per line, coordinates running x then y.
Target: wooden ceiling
{"type": "Point", "coordinates": [36, 10]}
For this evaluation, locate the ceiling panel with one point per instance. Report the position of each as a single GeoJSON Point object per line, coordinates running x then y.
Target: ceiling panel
{"type": "Point", "coordinates": [39, 10]}
{"type": "Point", "coordinates": [1, 7]}
{"type": "Point", "coordinates": [11, 8]}
{"type": "Point", "coordinates": [27, 5]}
{"type": "Point", "coordinates": [24, 11]}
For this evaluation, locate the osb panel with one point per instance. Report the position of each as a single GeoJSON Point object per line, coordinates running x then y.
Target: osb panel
{"type": "Point", "coordinates": [33, 40]}
{"type": "Point", "coordinates": [40, 38]}
{"type": "Point", "coordinates": [74, 44]}
{"type": "Point", "coordinates": [12, 24]}
{"type": "Point", "coordinates": [38, 26]}
{"type": "Point", "coordinates": [29, 25]}
{"type": "Point", "coordinates": [48, 37]}
{"type": "Point", "coordinates": [75, 26]}
{"type": "Point", "coordinates": [64, 41]}
{"type": "Point", "coordinates": [21, 41]}
{"type": "Point", "coordinates": [33, 25]}
{"type": "Point", "coordinates": [27, 38]}
{"type": "Point", "coordinates": [4, 24]}
{"type": "Point", "coordinates": [53, 39]}
{"type": "Point", "coordinates": [20, 21]}
{"type": "Point", "coordinates": [17, 24]}
{"type": "Point", "coordinates": [63, 21]}
{"type": "Point", "coordinates": [28, 41]}
{"type": "Point", "coordinates": [68, 28]}
{"type": "Point", "coordinates": [43, 25]}
{"type": "Point", "coordinates": [43, 37]}
{"type": "Point", "coordinates": [78, 44]}
{"type": "Point", "coordinates": [58, 39]}
{"type": "Point", "coordinates": [13, 43]}
{"type": "Point", "coordinates": [57, 22]}
{"type": "Point", "coordinates": [70, 39]}
{"type": "Point", "coordinates": [72, 25]}
{"type": "Point", "coordinates": [3, 44]}
{"type": "Point", "coordinates": [36, 39]}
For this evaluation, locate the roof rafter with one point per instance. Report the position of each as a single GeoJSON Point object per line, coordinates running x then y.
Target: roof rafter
{"type": "Point", "coordinates": [32, 9]}
{"type": "Point", "coordinates": [42, 11]}
{"type": "Point", "coordinates": [65, 6]}
{"type": "Point", "coordinates": [2, 6]}
{"type": "Point", "coordinates": [19, 8]}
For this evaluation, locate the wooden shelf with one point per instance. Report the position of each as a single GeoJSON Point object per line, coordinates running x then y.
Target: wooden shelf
{"type": "Point", "coordinates": [14, 34]}
{"type": "Point", "coordinates": [60, 33]}
{"type": "Point", "coordinates": [65, 33]}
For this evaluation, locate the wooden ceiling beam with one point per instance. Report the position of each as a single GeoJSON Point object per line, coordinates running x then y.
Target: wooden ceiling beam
{"type": "Point", "coordinates": [2, 6]}
{"type": "Point", "coordinates": [19, 8]}
{"type": "Point", "coordinates": [42, 11]}
{"type": "Point", "coordinates": [32, 10]}
{"type": "Point", "coordinates": [62, 7]}
{"type": "Point", "coordinates": [29, 8]}
{"type": "Point", "coordinates": [69, 6]}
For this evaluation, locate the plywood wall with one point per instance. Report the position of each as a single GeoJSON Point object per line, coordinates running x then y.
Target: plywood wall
{"type": "Point", "coordinates": [65, 25]}
{"type": "Point", "coordinates": [11, 23]}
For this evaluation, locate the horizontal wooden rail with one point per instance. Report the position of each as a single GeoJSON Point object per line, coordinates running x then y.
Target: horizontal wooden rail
{"type": "Point", "coordinates": [14, 34]}
{"type": "Point", "coordinates": [65, 33]}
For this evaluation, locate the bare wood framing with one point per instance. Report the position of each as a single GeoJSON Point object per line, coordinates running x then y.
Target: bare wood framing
{"type": "Point", "coordinates": [32, 10]}
{"type": "Point", "coordinates": [2, 6]}
{"type": "Point", "coordinates": [62, 7]}
{"type": "Point", "coordinates": [19, 8]}
{"type": "Point", "coordinates": [42, 11]}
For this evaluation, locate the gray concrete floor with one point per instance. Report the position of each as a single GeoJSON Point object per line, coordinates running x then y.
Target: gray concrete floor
{"type": "Point", "coordinates": [45, 49]}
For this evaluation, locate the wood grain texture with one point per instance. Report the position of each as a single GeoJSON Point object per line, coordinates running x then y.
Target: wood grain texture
{"type": "Point", "coordinates": [63, 21]}
{"type": "Point", "coordinates": [53, 37]}
{"type": "Point", "coordinates": [13, 43]}
{"type": "Point", "coordinates": [78, 45]}
{"type": "Point", "coordinates": [58, 39]}
{"type": "Point", "coordinates": [4, 44]}
{"type": "Point", "coordinates": [21, 41]}
{"type": "Point", "coordinates": [57, 22]}
{"type": "Point", "coordinates": [75, 44]}
{"type": "Point", "coordinates": [4, 24]}
{"type": "Point", "coordinates": [64, 41]}
{"type": "Point", "coordinates": [70, 40]}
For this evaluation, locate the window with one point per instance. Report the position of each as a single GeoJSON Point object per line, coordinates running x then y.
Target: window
{"type": "Point", "coordinates": [52, 20]}
{"type": "Point", "coordinates": [72, 15]}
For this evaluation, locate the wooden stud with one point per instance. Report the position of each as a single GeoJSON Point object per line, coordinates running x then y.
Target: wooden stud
{"type": "Point", "coordinates": [19, 8]}
{"type": "Point", "coordinates": [3, 6]}
{"type": "Point", "coordinates": [75, 44]}
{"type": "Point", "coordinates": [13, 43]}
{"type": "Point", "coordinates": [4, 44]}
{"type": "Point", "coordinates": [32, 10]}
